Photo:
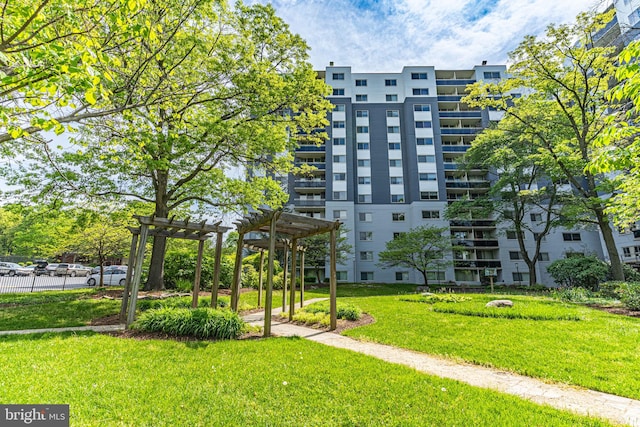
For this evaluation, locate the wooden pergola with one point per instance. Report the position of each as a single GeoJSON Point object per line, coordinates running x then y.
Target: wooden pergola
{"type": "Point", "coordinates": [170, 228]}
{"type": "Point", "coordinates": [284, 230]}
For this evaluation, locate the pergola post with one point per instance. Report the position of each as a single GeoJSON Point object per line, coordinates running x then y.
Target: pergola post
{"type": "Point", "coordinates": [269, 296]}
{"type": "Point", "coordinates": [216, 271]}
{"type": "Point", "coordinates": [292, 295]}
{"type": "Point", "coordinates": [332, 283]}
{"type": "Point", "coordinates": [237, 274]}
{"type": "Point", "coordinates": [260, 278]}
{"type": "Point", "coordinates": [196, 282]}
{"type": "Point", "coordinates": [127, 280]}
{"type": "Point", "coordinates": [284, 277]}
{"type": "Point", "coordinates": [137, 274]}
{"type": "Point", "coordinates": [302, 277]}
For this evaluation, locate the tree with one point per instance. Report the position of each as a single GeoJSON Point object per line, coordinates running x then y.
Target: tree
{"type": "Point", "coordinates": [422, 248]}
{"type": "Point", "coordinates": [620, 143]}
{"type": "Point", "coordinates": [317, 252]}
{"type": "Point", "coordinates": [521, 187]}
{"type": "Point", "coordinates": [563, 109]}
{"type": "Point", "coordinates": [579, 271]}
{"type": "Point", "coordinates": [237, 91]}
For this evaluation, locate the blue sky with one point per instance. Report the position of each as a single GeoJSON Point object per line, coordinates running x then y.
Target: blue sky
{"type": "Point", "coordinates": [385, 35]}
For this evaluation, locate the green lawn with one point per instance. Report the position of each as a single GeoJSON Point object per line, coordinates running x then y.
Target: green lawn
{"type": "Point", "coordinates": [111, 381]}
{"type": "Point", "coordinates": [600, 351]}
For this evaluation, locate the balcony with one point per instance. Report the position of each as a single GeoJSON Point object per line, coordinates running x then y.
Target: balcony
{"type": "Point", "coordinates": [311, 148]}
{"type": "Point", "coordinates": [472, 223]}
{"type": "Point", "coordinates": [310, 184]}
{"type": "Point", "coordinates": [309, 202]}
{"type": "Point", "coordinates": [467, 184]}
{"type": "Point", "coordinates": [476, 243]}
{"type": "Point", "coordinates": [455, 148]}
{"type": "Point", "coordinates": [454, 82]}
{"type": "Point", "coordinates": [317, 165]}
{"type": "Point", "coordinates": [449, 98]}
{"type": "Point", "coordinates": [460, 131]}
{"type": "Point", "coordinates": [460, 114]}
{"type": "Point", "coordinates": [476, 264]}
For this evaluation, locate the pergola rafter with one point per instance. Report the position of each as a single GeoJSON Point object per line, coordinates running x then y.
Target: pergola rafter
{"type": "Point", "coordinates": [284, 230]}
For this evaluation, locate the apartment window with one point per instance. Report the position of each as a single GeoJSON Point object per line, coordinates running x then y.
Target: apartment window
{"type": "Point", "coordinates": [420, 91]}
{"type": "Point", "coordinates": [361, 98]}
{"type": "Point", "coordinates": [338, 124]}
{"type": "Point", "coordinates": [536, 235]}
{"type": "Point", "coordinates": [338, 91]}
{"type": "Point", "coordinates": [366, 276]}
{"type": "Point", "coordinates": [519, 276]}
{"type": "Point", "coordinates": [514, 255]}
{"type": "Point", "coordinates": [397, 234]}
{"type": "Point", "coordinates": [364, 180]}
{"type": "Point", "coordinates": [362, 113]}
{"type": "Point", "coordinates": [427, 177]}
{"type": "Point", "coordinates": [339, 141]}
{"type": "Point", "coordinates": [364, 163]}
{"type": "Point", "coordinates": [512, 235]}
{"type": "Point", "coordinates": [339, 107]}
{"type": "Point", "coordinates": [366, 236]}
{"type": "Point", "coordinates": [430, 214]}
{"type": "Point", "coordinates": [544, 256]}
{"type": "Point", "coordinates": [339, 159]}
{"type": "Point", "coordinates": [429, 158]}
{"type": "Point", "coordinates": [361, 82]}
{"type": "Point", "coordinates": [423, 125]}
{"type": "Point", "coordinates": [393, 113]}
{"type": "Point", "coordinates": [394, 146]}
{"type": "Point", "coordinates": [422, 107]}
{"type": "Point", "coordinates": [391, 97]}
{"type": "Point", "coordinates": [391, 82]}
{"type": "Point", "coordinates": [363, 145]}
{"type": "Point", "coordinates": [341, 276]}
{"type": "Point", "coordinates": [339, 195]}
{"type": "Point", "coordinates": [364, 198]}
{"type": "Point", "coordinates": [428, 195]}
{"type": "Point", "coordinates": [365, 216]}
{"type": "Point", "coordinates": [402, 276]}
{"type": "Point", "coordinates": [366, 256]}
{"type": "Point", "coordinates": [418, 76]}
{"type": "Point", "coordinates": [571, 237]}
{"type": "Point", "coordinates": [397, 198]}
{"type": "Point", "coordinates": [339, 176]}
{"type": "Point", "coordinates": [393, 129]}
{"type": "Point", "coordinates": [339, 214]}
{"type": "Point", "coordinates": [395, 163]}
{"type": "Point", "coordinates": [424, 141]}
{"type": "Point", "coordinates": [338, 76]}
{"type": "Point", "coordinates": [491, 74]}
{"type": "Point", "coordinates": [362, 129]}
{"type": "Point", "coordinates": [397, 216]}
{"type": "Point", "coordinates": [395, 180]}
{"type": "Point", "coordinates": [536, 217]}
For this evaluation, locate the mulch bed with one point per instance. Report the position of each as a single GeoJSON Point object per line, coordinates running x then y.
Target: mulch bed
{"type": "Point", "coordinates": [617, 310]}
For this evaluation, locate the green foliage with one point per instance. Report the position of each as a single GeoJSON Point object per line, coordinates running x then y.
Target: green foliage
{"type": "Point", "coordinates": [627, 292]}
{"type": "Point", "coordinates": [317, 251]}
{"type": "Point", "coordinates": [579, 271]}
{"type": "Point", "coordinates": [630, 273]}
{"type": "Point", "coordinates": [180, 266]}
{"type": "Point", "coordinates": [179, 302]}
{"type": "Point", "coordinates": [575, 294]}
{"type": "Point", "coordinates": [344, 310]}
{"type": "Point", "coordinates": [434, 298]}
{"type": "Point", "coordinates": [200, 322]}
{"type": "Point", "coordinates": [421, 248]}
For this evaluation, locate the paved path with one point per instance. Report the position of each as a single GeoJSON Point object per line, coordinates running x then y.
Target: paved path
{"type": "Point", "coordinates": [582, 401]}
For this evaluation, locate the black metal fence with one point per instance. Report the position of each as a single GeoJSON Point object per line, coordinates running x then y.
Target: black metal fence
{"type": "Point", "coordinates": [33, 283]}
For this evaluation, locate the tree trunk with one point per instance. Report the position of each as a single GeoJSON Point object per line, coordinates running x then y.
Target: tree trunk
{"type": "Point", "coordinates": [317, 270]}
{"type": "Point", "coordinates": [424, 277]}
{"type": "Point", "coordinates": [155, 281]}
{"type": "Point", "coordinates": [531, 265]}
{"type": "Point", "coordinates": [607, 234]}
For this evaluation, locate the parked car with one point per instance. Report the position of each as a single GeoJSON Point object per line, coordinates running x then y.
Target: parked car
{"type": "Point", "coordinates": [72, 270]}
{"type": "Point", "coordinates": [50, 269]}
{"type": "Point", "coordinates": [40, 268]}
{"type": "Point", "coordinates": [13, 269]}
{"type": "Point", "coordinates": [96, 270]}
{"type": "Point", "coordinates": [114, 276]}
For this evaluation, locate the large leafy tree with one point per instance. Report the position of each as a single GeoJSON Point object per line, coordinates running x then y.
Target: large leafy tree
{"type": "Point", "coordinates": [236, 91]}
{"type": "Point", "coordinates": [620, 144]}
{"type": "Point", "coordinates": [318, 251]}
{"type": "Point", "coordinates": [563, 79]}
{"type": "Point", "coordinates": [57, 59]}
{"type": "Point", "coordinates": [422, 248]}
{"type": "Point", "coordinates": [521, 187]}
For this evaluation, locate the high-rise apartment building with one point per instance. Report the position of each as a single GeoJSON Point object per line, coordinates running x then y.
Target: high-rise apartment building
{"type": "Point", "coordinates": [390, 165]}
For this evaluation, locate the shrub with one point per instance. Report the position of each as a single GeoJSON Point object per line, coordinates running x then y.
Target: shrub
{"type": "Point", "coordinates": [610, 289]}
{"type": "Point", "coordinates": [344, 311]}
{"type": "Point", "coordinates": [199, 322]}
{"type": "Point", "coordinates": [629, 293]}
{"type": "Point", "coordinates": [572, 294]}
{"type": "Point", "coordinates": [249, 276]}
{"type": "Point", "coordinates": [630, 273]}
{"type": "Point", "coordinates": [179, 302]}
{"type": "Point", "coordinates": [579, 271]}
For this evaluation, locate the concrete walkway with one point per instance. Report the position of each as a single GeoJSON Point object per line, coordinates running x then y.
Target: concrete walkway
{"type": "Point", "coordinates": [620, 410]}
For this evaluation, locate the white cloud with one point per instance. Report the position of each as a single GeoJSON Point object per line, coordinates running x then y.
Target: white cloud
{"type": "Point", "coordinates": [385, 35]}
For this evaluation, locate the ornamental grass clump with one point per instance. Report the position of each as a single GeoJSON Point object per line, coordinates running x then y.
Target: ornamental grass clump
{"type": "Point", "coordinates": [200, 322]}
